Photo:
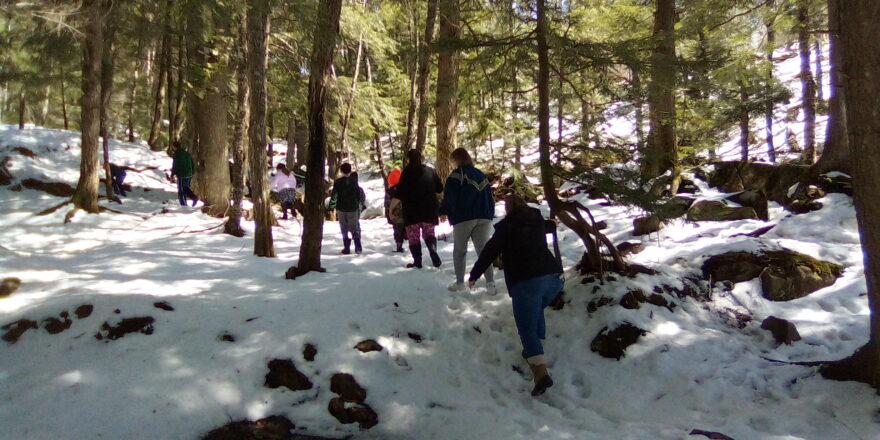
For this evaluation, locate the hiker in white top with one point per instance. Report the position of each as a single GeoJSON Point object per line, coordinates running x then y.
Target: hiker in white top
{"type": "Point", "coordinates": [284, 183]}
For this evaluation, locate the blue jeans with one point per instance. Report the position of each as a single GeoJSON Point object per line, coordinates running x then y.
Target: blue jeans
{"type": "Point", "coordinates": [183, 191]}
{"type": "Point", "coordinates": [530, 298]}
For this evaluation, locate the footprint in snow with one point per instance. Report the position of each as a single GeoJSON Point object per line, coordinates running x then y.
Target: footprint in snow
{"type": "Point", "coordinates": [581, 385]}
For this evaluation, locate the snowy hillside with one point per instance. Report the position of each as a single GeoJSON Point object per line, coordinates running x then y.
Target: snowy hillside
{"type": "Point", "coordinates": [212, 317]}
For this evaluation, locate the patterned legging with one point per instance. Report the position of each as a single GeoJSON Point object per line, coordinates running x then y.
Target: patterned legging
{"type": "Point", "coordinates": [414, 233]}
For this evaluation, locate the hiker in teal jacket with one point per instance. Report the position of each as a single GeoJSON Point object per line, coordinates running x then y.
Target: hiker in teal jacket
{"type": "Point", "coordinates": [183, 167]}
{"type": "Point", "coordinates": [347, 199]}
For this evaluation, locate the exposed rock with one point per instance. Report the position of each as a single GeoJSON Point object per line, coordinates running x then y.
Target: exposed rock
{"type": "Point", "coordinates": [283, 373]}
{"type": "Point", "coordinates": [57, 189]}
{"type": "Point", "coordinates": [595, 304]}
{"type": "Point", "coordinates": [784, 332]}
{"type": "Point", "coordinates": [687, 186]}
{"type": "Point", "coordinates": [415, 337]}
{"type": "Point", "coordinates": [8, 286]}
{"type": "Point", "coordinates": [347, 388]}
{"type": "Point", "coordinates": [633, 299]}
{"type": "Point", "coordinates": [835, 183]}
{"type": "Point", "coordinates": [752, 199]}
{"type": "Point", "coordinates": [309, 352]}
{"type": "Point", "coordinates": [733, 266]}
{"type": "Point", "coordinates": [713, 210]}
{"type": "Point", "coordinates": [164, 306]}
{"type": "Point", "coordinates": [369, 345]}
{"type": "Point", "coordinates": [17, 187]}
{"type": "Point", "coordinates": [613, 344]}
{"type": "Point", "coordinates": [84, 311]}
{"type": "Point", "coordinates": [633, 269]}
{"type": "Point", "coordinates": [710, 434]}
{"type": "Point", "coordinates": [227, 337]}
{"type": "Point", "coordinates": [791, 275]}
{"type": "Point", "coordinates": [139, 324]}
{"type": "Point", "coordinates": [25, 152]}
{"type": "Point", "coordinates": [5, 176]}
{"type": "Point", "coordinates": [675, 207]}
{"type": "Point", "coordinates": [270, 428]}
{"type": "Point", "coordinates": [630, 248]}
{"type": "Point", "coordinates": [658, 300]}
{"type": "Point", "coordinates": [772, 180]}
{"type": "Point", "coordinates": [801, 206]}
{"type": "Point", "coordinates": [55, 325]}
{"type": "Point", "coordinates": [601, 225]}
{"type": "Point", "coordinates": [348, 413]}
{"type": "Point", "coordinates": [15, 329]}
{"type": "Point", "coordinates": [646, 225]}
{"type": "Point", "coordinates": [736, 318]}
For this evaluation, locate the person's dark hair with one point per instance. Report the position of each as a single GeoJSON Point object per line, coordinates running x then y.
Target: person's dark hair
{"type": "Point", "coordinates": [514, 204]}
{"type": "Point", "coordinates": [413, 158]}
{"type": "Point", "coordinates": [461, 157]}
{"type": "Point", "coordinates": [281, 166]}
{"type": "Point", "coordinates": [345, 168]}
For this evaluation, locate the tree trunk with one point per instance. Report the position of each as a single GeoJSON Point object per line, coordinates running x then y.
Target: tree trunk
{"type": "Point", "coordinates": [108, 59]}
{"type": "Point", "coordinates": [836, 153]}
{"type": "Point", "coordinates": [343, 136]}
{"type": "Point", "coordinates": [159, 94]}
{"type": "Point", "coordinates": [86, 195]}
{"type": "Point", "coordinates": [808, 85]}
{"type": "Point", "coordinates": [213, 153]}
{"type": "Point", "coordinates": [325, 34]}
{"type": "Point", "coordinates": [820, 73]}
{"type": "Point", "coordinates": [290, 158]}
{"type": "Point", "coordinates": [239, 130]}
{"type": "Point", "coordinates": [860, 69]}
{"type": "Point", "coordinates": [744, 125]}
{"type": "Point", "coordinates": [302, 141]}
{"type": "Point", "coordinates": [446, 107]}
{"type": "Point", "coordinates": [661, 151]}
{"type": "Point", "coordinates": [377, 140]}
{"type": "Point", "coordinates": [566, 212]}
{"type": "Point", "coordinates": [409, 137]}
{"type": "Point", "coordinates": [424, 75]}
{"type": "Point", "coordinates": [257, 58]}
{"type": "Point", "coordinates": [64, 99]}
{"type": "Point", "coordinates": [21, 109]}
{"type": "Point", "coordinates": [768, 112]}
{"type": "Point", "coordinates": [639, 104]}
{"type": "Point", "coordinates": [132, 97]}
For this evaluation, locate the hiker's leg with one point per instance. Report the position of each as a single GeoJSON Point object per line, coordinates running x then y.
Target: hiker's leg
{"type": "Point", "coordinates": [461, 232]}
{"type": "Point", "coordinates": [526, 312]}
{"type": "Point", "coordinates": [480, 236]}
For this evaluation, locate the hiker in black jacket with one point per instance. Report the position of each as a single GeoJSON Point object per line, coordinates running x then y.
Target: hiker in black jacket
{"type": "Point", "coordinates": [348, 199]}
{"type": "Point", "coordinates": [418, 189]}
{"type": "Point", "coordinates": [532, 274]}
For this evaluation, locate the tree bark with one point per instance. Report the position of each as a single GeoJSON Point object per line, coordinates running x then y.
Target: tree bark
{"type": "Point", "coordinates": [86, 195]}
{"type": "Point", "coordinates": [808, 85]}
{"type": "Point", "coordinates": [21, 109]}
{"type": "Point", "coordinates": [424, 75]}
{"type": "Point", "coordinates": [836, 153]}
{"type": "Point", "coordinates": [446, 106]}
{"type": "Point", "coordinates": [768, 112]}
{"type": "Point", "coordinates": [64, 98]}
{"type": "Point", "coordinates": [744, 125]}
{"type": "Point", "coordinates": [159, 94]}
{"type": "Point", "coordinates": [290, 158]}
{"type": "Point", "coordinates": [325, 34]}
{"type": "Point", "coordinates": [108, 59]}
{"type": "Point", "coordinates": [661, 151]}
{"type": "Point", "coordinates": [257, 56]}
{"type": "Point", "coordinates": [409, 137]}
{"type": "Point", "coordinates": [213, 152]}
{"type": "Point", "coordinates": [343, 136]}
{"type": "Point", "coordinates": [239, 131]}
{"type": "Point", "coordinates": [860, 53]}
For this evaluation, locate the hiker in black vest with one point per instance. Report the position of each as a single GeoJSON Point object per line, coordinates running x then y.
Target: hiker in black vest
{"type": "Point", "coordinates": [347, 199]}
{"type": "Point", "coordinates": [418, 189]}
{"type": "Point", "coordinates": [533, 277]}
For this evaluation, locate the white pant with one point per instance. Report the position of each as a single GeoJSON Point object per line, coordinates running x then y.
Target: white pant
{"type": "Point", "coordinates": [478, 231]}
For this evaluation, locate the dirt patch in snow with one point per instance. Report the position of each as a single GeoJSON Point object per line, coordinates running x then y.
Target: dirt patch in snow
{"type": "Point", "coordinates": [15, 329]}
{"type": "Point", "coordinates": [58, 189]}
{"type": "Point", "coordinates": [138, 324]}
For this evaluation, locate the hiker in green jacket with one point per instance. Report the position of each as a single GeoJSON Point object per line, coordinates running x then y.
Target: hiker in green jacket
{"type": "Point", "coordinates": [183, 167]}
{"type": "Point", "coordinates": [348, 199]}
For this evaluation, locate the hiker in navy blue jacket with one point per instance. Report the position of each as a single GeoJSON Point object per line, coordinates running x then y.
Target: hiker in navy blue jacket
{"type": "Point", "coordinates": [470, 208]}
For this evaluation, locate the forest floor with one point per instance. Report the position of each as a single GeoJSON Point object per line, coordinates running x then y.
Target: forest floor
{"type": "Point", "coordinates": [450, 365]}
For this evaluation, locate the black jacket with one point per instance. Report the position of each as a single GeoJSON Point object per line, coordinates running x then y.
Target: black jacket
{"type": "Point", "coordinates": [520, 239]}
{"type": "Point", "coordinates": [418, 189]}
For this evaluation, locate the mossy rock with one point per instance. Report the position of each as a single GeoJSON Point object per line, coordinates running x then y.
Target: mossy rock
{"type": "Point", "coordinates": [717, 211]}
{"type": "Point", "coordinates": [785, 274]}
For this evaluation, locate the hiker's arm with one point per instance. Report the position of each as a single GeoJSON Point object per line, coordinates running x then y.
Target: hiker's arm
{"type": "Point", "coordinates": [490, 252]}
{"type": "Point", "coordinates": [333, 197]}
{"type": "Point", "coordinates": [450, 194]}
{"type": "Point", "coordinates": [549, 226]}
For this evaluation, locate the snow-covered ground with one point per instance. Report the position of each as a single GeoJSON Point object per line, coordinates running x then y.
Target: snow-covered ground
{"type": "Point", "coordinates": [463, 380]}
